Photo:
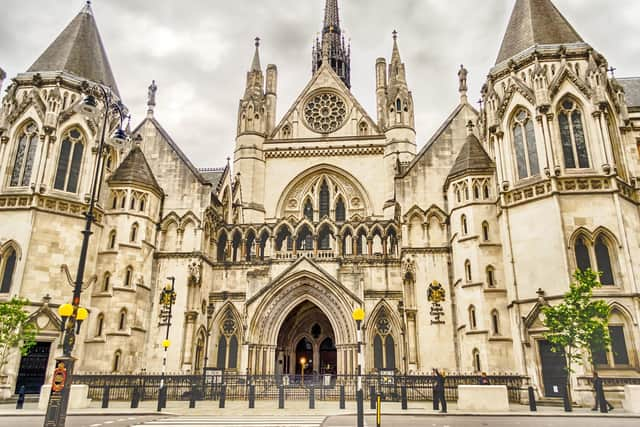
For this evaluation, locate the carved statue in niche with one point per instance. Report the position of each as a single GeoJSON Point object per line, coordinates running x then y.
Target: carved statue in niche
{"type": "Point", "coordinates": [195, 275]}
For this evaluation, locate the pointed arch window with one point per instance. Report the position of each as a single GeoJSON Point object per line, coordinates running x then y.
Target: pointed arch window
{"type": "Point", "coordinates": [324, 200]}
{"type": "Point", "coordinates": [308, 210]}
{"type": "Point", "coordinates": [69, 162]}
{"type": "Point", "coordinates": [617, 355]}
{"type": "Point", "coordinates": [25, 155]}
{"type": "Point", "coordinates": [603, 259]}
{"type": "Point", "coordinates": [7, 267]}
{"type": "Point", "coordinates": [133, 237]}
{"type": "Point", "coordinates": [363, 129]}
{"type": "Point", "coordinates": [467, 270]}
{"type": "Point", "coordinates": [128, 276]}
{"type": "Point", "coordinates": [476, 191]}
{"type": "Point", "coordinates": [582, 254]}
{"type": "Point", "coordinates": [524, 139]}
{"type": "Point", "coordinates": [476, 360]}
{"type": "Point", "coordinates": [341, 213]}
{"type": "Point", "coordinates": [574, 146]}
{"type": "Point", "coordinates": [463, 225]}
{"type": "Point", "coordinates": [117, 356]}
{"type": "Point", "coordinates": [473, 321]}
{"type": "Point", "coordinates": [495, 322]}
{"type": "Point", "coordinates": [485, 191]}
{"type": "Point", "coordinates": [106, 282]}
{"type": "Point", "coordinates": [384, 351]}
{"type": "Point", "coordinates": [485, 231]}
{"type": "Point", "coordinates": [100, 325]}
{"type": "Point", "coordinates": [122, 322]}
{"type": "Point", "coordinates": [491, 277]}
{"type": "Point", "coordinates": [228, 343]}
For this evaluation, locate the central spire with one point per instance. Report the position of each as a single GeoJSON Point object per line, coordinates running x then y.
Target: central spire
{"type": "Point", "coordinates": [332, 47]}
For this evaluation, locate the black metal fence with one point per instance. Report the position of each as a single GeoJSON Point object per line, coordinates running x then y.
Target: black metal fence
{"type": "Point", "coordinates": [325, 387]}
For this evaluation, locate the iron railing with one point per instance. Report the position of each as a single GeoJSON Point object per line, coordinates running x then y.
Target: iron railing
{"type": "Point", "coordinates": [295, 387]}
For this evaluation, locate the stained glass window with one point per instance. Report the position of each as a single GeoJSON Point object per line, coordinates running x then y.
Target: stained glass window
{"type": "Point", "coordinates": [524, 139]}
{"type": "Point", "coordinates": [69, 162]}
{"type": "Point", "coordinates": [308, 210]}
{"type": "Point", "coordinates": [618, 345]}
{"type": "Point", "coordinates": [582, 255]}
{"type": "Point", "coordinates": [340, 211]}
{"type": "Point", "coordinates": [377, 352]}
{"type": "Point", "coordinates": [9, 267]}
{"type": "Point", "coordinates": [604, 262]}
{"type": "Point", "coordinates": [390, 353]}
{"type": "Point", "coordinates": [324, 200]}
{"type": "Point", "coordinates": [25, 156]}
{"type": "Point", "coordinates": [574, 145]}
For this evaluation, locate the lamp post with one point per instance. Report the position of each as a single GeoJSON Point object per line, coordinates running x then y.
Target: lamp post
{"type": "Point", "coordinates": [358, 316]}
{"type": "Point", "coordinates": [210, 310]}
{"type": "Point", "coordinates": [303, 363]}
{"type": "Point", "coordinates": [167, 299]}
{"type": "Point", "coordinates": [59, 399]}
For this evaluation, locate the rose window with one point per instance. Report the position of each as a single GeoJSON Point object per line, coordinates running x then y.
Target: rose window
{"type": "Point", "coordinates": [325, 112]}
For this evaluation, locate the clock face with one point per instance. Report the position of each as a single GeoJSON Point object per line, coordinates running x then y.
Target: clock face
{"type": "Point", "coordinates": [325, 112]}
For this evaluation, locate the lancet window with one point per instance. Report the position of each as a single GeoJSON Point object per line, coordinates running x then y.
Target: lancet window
{"type": "Point", "coordinates": [574, 146]}
{"type": "Point", "coordinates": [524, 139]}
{"type": "Point", "coordinates": [25, 156]}
{"type": "Point", "coordinates": [69, 162]}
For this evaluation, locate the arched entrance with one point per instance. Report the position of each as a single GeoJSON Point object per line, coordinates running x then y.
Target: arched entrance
{"type": "Point", "coordinates": [306, 341]}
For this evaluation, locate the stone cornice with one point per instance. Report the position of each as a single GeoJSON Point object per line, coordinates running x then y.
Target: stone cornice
{"type": "Point", "coordinates": [324, 151]}
{"type": "Point", "coordinates": [47, 204]}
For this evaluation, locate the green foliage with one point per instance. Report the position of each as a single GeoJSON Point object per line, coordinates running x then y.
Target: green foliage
{"type": "Point", "coordinates": [15, 329]}
{"type": "Point", "coordinates": [579, 324]}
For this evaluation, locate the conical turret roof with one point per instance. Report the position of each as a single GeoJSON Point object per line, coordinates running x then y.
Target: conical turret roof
{"type": "Point", "coordinates": [535, 22]}
{"type": "Point", "coordinates": [135, 169]}
{"type": "Point", "coordinates": [472, 158]}
{"type": "Point", "coordinates": [78, 50]}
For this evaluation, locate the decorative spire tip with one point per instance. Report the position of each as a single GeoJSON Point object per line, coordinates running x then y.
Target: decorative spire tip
{"type": "Point", "coordinates": [395, 35]}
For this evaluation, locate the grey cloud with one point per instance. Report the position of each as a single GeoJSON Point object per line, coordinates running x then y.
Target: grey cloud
{"type": "Point", "coordinates": [199, 51]}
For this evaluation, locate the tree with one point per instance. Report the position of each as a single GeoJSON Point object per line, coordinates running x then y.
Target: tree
{"type": "Point", "coordinates": [16, 331]}
{"type": "Point", "coordinates": [578, 325]}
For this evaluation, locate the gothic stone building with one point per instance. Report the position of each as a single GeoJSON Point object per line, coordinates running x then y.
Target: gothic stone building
{"type": "Point", "coordinates": [325, 209]}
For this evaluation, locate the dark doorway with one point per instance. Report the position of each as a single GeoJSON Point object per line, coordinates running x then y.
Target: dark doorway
{"type": "Point", "coordinates": [33, 368]}
{"type": "Point", "coordinates": [328, 357]}
{"type": "Point", "coordinates": [304, 352]}
{"type": "Point", "coordinates": [554, 377]}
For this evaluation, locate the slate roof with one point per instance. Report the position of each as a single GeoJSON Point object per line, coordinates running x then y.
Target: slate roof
{"type": "Point", "coordinates": [135, 169]}
{"type": "Point", "coordinates": [535, 22]}
{"type": "Point", "coordinates": [472, 158]}
{"type": "Point", "coordinates": [631, 86]}
{"type": "Point", "coordinates": [78, 50]}
{"type": "Point", "coordinates": [213, 176]}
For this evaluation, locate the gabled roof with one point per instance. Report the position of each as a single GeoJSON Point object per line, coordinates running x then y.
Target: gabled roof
{"type": "Point", "coordinates": [472, 158]}
{"type": "Point", "coordinates": [324, 68]}
{"type": "Point", "coordinates": [213, 176]}
{"type": "Point", "coordinates": [173, 146]}
{"type": "Point", "coordinates": [535, 22]}
{"type": "Point", "coordinates": [631, 86]}
{"type": "Point", "coordinates": [135, 169]}
{"type": "Point", "coordinates": [78, 50]}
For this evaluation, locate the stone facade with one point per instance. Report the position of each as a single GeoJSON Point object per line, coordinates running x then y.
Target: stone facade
{"type": "Point", "coordinates": [450, 250]}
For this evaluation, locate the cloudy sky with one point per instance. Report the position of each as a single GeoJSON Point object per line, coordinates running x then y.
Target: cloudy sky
{"type": "Point", "coordinates": [198, 51]}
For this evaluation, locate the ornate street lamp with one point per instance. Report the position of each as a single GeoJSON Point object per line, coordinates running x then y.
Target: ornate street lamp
{"type": "Point", "coordinates": [358, 316]}
{"type": "Point", "coordinates": [167, 300]}
{"type": "Point", "coordinates": [111, 109]}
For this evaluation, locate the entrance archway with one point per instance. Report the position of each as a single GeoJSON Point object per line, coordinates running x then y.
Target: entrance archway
{"type": "Point", "coordinates": [306, 341]}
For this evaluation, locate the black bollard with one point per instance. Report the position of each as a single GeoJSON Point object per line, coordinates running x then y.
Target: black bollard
{"type": "Point", "coordinates": [532, 400]}
{"type": "Point", "coordinates": [223, 395]}
{"type": "Point", "coordinates": [135, 397]}
{"type": "Point", "coordinates": [252, 396]}
{"type": "Point", "coordinates": [378, 410]}
{"type": "Point", "coordinates": [20, 402]}
{"type": "Point", "coordinates": [372, 397]}
{"type": "Point", "coordinates": [403, 396]}
{"type": "Point", "coordinates": [565, 400]}
{"type": "Point", "coordinates": [192, 397]}
{"type": "Point", "coordinates": [105, 396]}
{"type": "Point", "coordinates": [342, 399]}
{"type": "Point", "coordinates": [360, 408]}
{"type": "Point", "coordinates": [436, 404]}
{"type": "Point", "coordinates": [312, 397]}
{"type": "Point", "coordinates": [281, 397]}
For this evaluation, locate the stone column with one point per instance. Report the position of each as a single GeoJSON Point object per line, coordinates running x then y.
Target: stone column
{"type": "Point", "coordinates": [190, 321]}
{"type": "Point", "coordinates": [411, 329]}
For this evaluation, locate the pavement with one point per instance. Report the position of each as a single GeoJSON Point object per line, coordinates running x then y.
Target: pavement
{"type": "Point", "coordinates": [235, 409]}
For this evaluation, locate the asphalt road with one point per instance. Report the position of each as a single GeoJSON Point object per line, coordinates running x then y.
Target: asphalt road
{"type": "Point", "coordinates": [480, 421]}
{"type": "Point", "coordinates": [79, 421]}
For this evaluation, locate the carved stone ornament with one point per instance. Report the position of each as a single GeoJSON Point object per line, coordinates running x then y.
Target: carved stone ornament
{"type": "Point", "coordinates": [436, 294]}
{"type": "Point", "coordinates": [325, 112]}
{"type": "Point", "coordinates": [195, 275]}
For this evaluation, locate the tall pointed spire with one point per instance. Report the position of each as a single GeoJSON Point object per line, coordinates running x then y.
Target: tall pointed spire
{"type": "Point", "coordinates": [78, 50]}
{"type": "Point", "coordinates": [333, 48]}
{"type": "Point", "coordinates": [535, 22]}
{"type": "Point", "coordinates": [395, 55]}
{"type": "Point", "coordinates": [255, 64]}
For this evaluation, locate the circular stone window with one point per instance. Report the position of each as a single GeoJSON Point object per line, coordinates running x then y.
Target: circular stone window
{"type": "Point", "coordinates": [325, 112]}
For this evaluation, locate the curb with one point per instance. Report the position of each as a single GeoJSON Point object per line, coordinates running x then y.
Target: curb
{"type": "Point", "coordinates": [92, 414]}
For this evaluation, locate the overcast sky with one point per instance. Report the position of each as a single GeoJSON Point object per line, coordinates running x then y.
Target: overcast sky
{"type": "Point", "coordinates": [198, 51]}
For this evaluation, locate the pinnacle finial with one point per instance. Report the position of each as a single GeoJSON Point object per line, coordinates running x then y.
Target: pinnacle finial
{"type": "Point", "coordinates": [395, 35]}
{"type": "Point", "coordinates": [255, 63]}
{"type": "Point", "coordinates": [87, 8]}
{"type": "Point", "coordinates": [257, 40]}
{"type": "Point", "coordinates": [462, 87]}
{"type": "Point", "coordinates": [151, 98]}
